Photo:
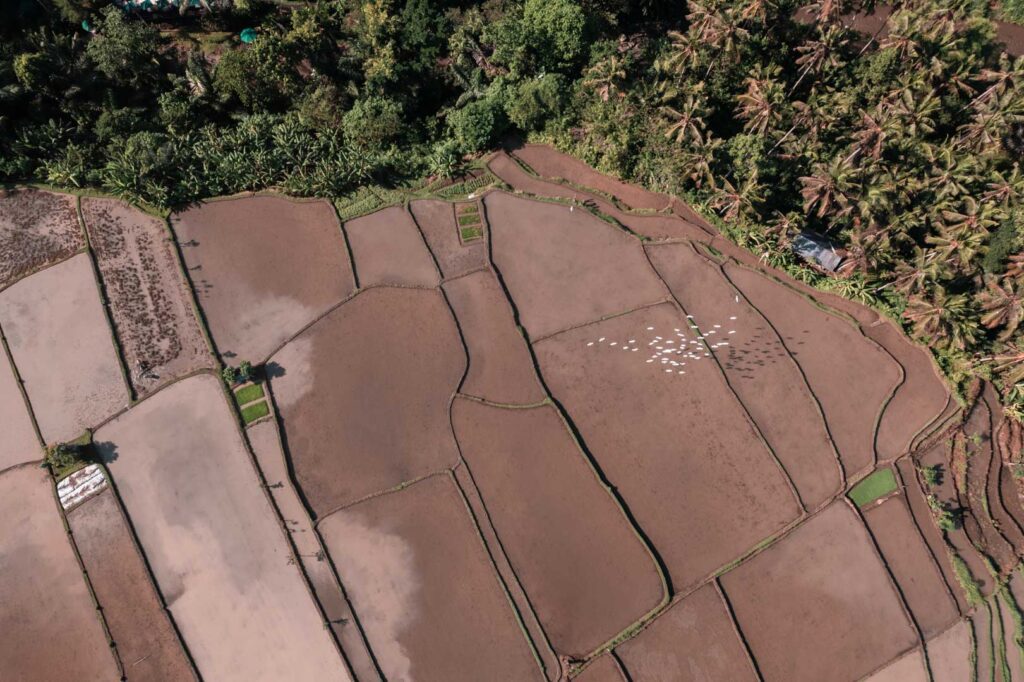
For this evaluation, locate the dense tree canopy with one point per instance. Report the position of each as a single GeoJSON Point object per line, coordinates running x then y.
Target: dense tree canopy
{"type": "Point", "coordinates": [902, 145]}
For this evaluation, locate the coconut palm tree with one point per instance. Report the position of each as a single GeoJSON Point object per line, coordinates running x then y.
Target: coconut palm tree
{"type": "Point", "coordinates": [1008, 364]}
{"type": "Point", "coordinates": [830, 188]}
{"type": "Point", "coordinates": [1005, 188]}
{"type": "Point", "coordinates": [1002, 304]}
{"type": "Point", "coordinates": [942, 319]}
{"type": "Point", "coordinates": [686, 124]}
{"type": "Point", "coordinates": [821, 53]}
{"type": "Point", "coordinates": [606, 77]}
{"type": "Point", "coordinates": [733, 203]}
{"type": "Point", "coordinates": [761, 105]}
{"type": "Point", "coordinates": [913, 277]}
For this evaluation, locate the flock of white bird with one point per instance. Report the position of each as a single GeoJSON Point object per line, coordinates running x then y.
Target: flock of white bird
{"type": "Point", "coordinates": [672, 351]}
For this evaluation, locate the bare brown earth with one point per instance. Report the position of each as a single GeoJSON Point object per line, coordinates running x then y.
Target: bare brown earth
{"type": "Point", "coordinates": [604, 669]}
{"type": "Point", "coordinates": [678, 448]}
{"type": "Point", "coordinates": [213, 539]}
{"type": "Point", "coordinates": [63, 348]}
{"type": "Point", "coordinates": [51, 630]}
{"type": "Point", "coordinates": [658, 226]}
{"type": "Point", "coordinates": [436, 220]}
{"type": "Point", "coordinates": [140, 627]}
{"type": "Point", "coordinates": [363, 395]}
{"type": "Point", "coordinates": [563, 268]}
{"type": "Point", "coordinates": [819, 603]}
{"type": "Point", "coordinates": [18, 440]}
{"type": "Point", "coordinates": [551, 163]}
{"type": "Point", "coordinates": [851, 377]}
{"type": "Point", "coordinates": [694, 640]}
{"type": "Point", "coordinates": [266, 445]}
{"type": "Point", "coordinates": [912, 565]}
{"type": "Point", "coordinates": [36, 229]}
{"type": "Point", "coordinates": [424, 588]}
{"type": "Point", "coordinates": [920, 398]}
{"type": "Point", "coordinates": [149, 301]}
{"type": "Point", "coordinates": [759, 368]}
{"type": "Point", "coordinates": [263, 267]}
{"type": "Point", "coordinates": [389, 249]}
{"type": "Point", "coordinates": [1013, 650]}
{"type": "Point", "coordinates": [907, 668]}
{"type": "Point", "coordinates": [983, 638]}
{"type": "Point", "coordinates": [924, 521]}
{"type": "Point", "coordinates": [500, 366]}
{"type": "Point", "coordinates": [588, 574]}
{"type": "Point", "coordinates": [949, 654]}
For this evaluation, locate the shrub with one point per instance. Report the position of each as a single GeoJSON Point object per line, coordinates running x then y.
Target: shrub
{"type": "Point", "coordinates": [932, 475]}
{"type": "Point", "coordinates": [373, 123]}
{"type": "Point", "coordinates": [479, 124]}
{"type": "Point", "coordinates": [536, 101]}
{"type": "Point", "coordinates": [125, 51]}
{"type": "Point", "coordinates": [445, 159]}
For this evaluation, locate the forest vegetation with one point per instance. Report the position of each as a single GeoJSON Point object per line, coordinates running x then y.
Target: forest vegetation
{"type": "Point", "coordinates": [773, 116]}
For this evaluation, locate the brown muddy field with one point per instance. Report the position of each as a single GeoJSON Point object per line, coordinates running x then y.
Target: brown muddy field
{"type": "Point", "coordinates": [908, 668]}
{"type": "Point", "coordinates": [63, 348]}
{"type": "Point", "coordinates": [140, 627]}
{"type": "Point", "coordinates": [550, 163]}
{"type": "Point", "coordinates": [500, 365]}
{"type": "Point", "coordinates": [36, 229]}
{"type": "Point", "coordinates": [363, 395]}
{"type": "Point", "coordinates": [213, 540]}
{"type": "Point", "coordinates": [949, 654]}
{"type": "Point", "coordinates": [920, 398]}
{"type": "Point", "coordinates": [678, 447]}
{"type": "Point", "coordinates": [436, 220]}
{"type": "Point", "coordinates": [819, 601]}
{"type": "Point", "coordinates": [536, 482]}
{"type": "Point", "coordinates": [266, 446]}
{"type": "Point", "coordinates": [425, 589]}
{"type": "Point", "coordinates": [18, 440]}
{"type": "Point", "coordinates": [51, 630]}
{"type": "Point", "coordinates": [563, 268]}
{"type": "Point", "coordinates": [912, 565]}
{"type": "Point", "coordinates": [389, 249]}
{"type": "Point", "coordinates": [851, 376]}
{"type": "Point", "coordinates": [149, 301]}
{"type": "Point", "coordinates": [604, 669]}
{"type": "Point", "coordinates": [263, 267]}
{"type": "Point", "coordinates": [759, 368]}
{"type": "Point", "coordinates": [694, 640]}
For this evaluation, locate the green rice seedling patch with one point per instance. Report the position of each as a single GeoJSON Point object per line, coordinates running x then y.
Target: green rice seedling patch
{"type": "Point", "coordinates": [877, 485]}
{"type": "Point", "coordinates": [249, 393]}
{"type": "Point", "coordinates": [471, 233]}
{"type": "Point", "coordinates": [256, 411]}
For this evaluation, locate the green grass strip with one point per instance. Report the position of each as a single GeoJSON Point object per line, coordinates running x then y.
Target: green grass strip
{"type": "Point", "coordinates": [248, 394]}
{"type": "Point", "coordinates": [971, 587]}
{"type": "Point", "coordinates": [1000, 642]}
{"type": "Point", "coordinates": [1010, 602]}
{"type": "Point", "coordinates": [254, 412]}
{"type": "Point", "coordinates": [991, 643]}
{"type": "Point", "coordinates": [471, 233]}
{"type": "Point", "coordinates": [878, 484]}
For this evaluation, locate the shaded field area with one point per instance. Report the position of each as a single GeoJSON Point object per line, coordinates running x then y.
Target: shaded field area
{"type": "Point", "coordinates": [262, 267]}
{"type": "Point", "coordinates": [819, 601]}
{"type": "Point", "coordinates": [535, 482]}
{"type": "Point", "coordinates": [213, 541]}
{"type": "Point", "coordinates": [424, 587]}
{"type": "Point", "coordinates": [63, 348]}
{"type": "Point", "coordinates": [149, 301]}
{"type": "Point", "coordinates": [146, 641]}
{"type": "Point", "coordinates": [43, 591]}
{"type": "Point", "coordinates": [18, 440]}
{"type": "Point", "coordinates": [363, 395]}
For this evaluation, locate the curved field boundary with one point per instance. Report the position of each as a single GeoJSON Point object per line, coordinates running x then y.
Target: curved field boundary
{"type": "Point", "coordinates": [732, 391]}
{"type": "Point", "coordinates": [358, 655]}
{"type": "Point", "coordinates": [736, 628]}
{"type": "Point", "coordinates": [789, 354]}
{"type": "Point", "coordinates": [1007, 522]}
{"type": "Point", "coordinates": [851, 477]}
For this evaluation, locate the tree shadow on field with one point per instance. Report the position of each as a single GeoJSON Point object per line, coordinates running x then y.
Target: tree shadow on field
{"type": "Point", "coordinates": [106, 452]}
{"type": "Point", "coordinates": [273, 370]}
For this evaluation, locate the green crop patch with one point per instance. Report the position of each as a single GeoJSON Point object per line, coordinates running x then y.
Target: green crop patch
{"type": "Point", "coordinates": [469, 219]}
{"type": "Point", "coordinates": [471, 233]}
{"type": "Point", "coordinates": [878, 484]}
{"type": "Point", "coordinates": [248, 394]}
{"type": "Point", "coordinates": [254, 412]}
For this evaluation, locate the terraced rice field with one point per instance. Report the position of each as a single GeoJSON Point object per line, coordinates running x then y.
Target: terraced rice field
{"type": "Point", "coordinates": [561, 430]}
